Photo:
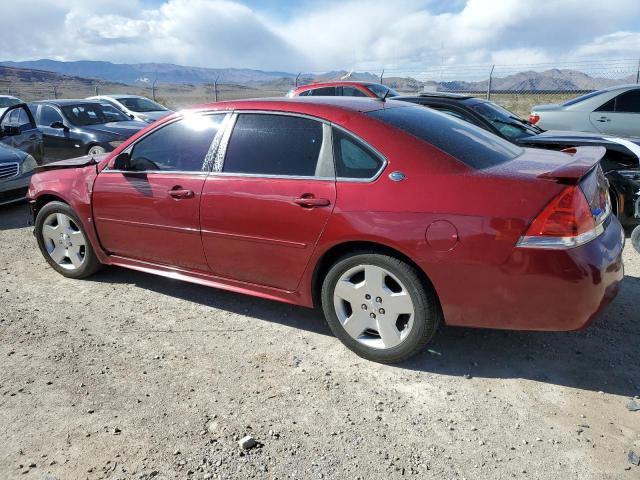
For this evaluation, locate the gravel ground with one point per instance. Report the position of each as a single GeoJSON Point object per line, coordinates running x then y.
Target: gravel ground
{"type": "Point", "coordinates": [128, 375]}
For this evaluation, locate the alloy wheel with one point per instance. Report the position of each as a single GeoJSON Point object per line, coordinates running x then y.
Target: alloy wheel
{"type": "Point", "coordinates": [64, 241]}
{"type": "Point", "coordinates": [373, 306]}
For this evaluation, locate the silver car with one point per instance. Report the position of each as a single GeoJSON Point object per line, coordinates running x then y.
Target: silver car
{"type": "Point", "coordinates": [612, 111]}
{"type": "Point", "coordinates": [137, 107]}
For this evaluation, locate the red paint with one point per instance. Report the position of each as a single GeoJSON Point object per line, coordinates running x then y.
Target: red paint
{"type": "Point", "coordinates": [249, 235]}
{"type": "Point", "coordinates": [362, 86]}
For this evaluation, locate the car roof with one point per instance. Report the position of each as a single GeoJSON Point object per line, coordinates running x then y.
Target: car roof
{"type": "Point", "coordinates": [337, 83]}
{"type": "Point", "coordinates": [445, 95]}
{"type": "Point", "coordinates": [67, 101]}
{"type": "Point", "coordinates": [324, 107]}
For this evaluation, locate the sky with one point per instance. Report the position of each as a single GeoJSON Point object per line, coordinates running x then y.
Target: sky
{"type": "Point", "coordinates": [323, 35]}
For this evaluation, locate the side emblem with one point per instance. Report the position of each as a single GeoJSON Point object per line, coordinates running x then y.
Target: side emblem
{"type": "Point", "coordinates": [397, 176]}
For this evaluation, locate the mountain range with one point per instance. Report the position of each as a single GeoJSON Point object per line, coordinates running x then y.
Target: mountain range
{"type": "Point", "coordinates": [164, 73]}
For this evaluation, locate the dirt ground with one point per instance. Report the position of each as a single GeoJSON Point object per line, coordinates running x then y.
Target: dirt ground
{"type": "Point", "coordinates": [128, 375]}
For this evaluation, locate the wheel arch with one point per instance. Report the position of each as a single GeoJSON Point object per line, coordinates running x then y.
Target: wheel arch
{"type": "Point", "coordinates": [329, 258]}
{"type": "Point", "coordinates": [42, 200]}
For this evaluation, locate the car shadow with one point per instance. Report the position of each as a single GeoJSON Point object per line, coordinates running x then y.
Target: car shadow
{"type": "Point", "coordinates": [14, 216]}
{"type": "Point", "coordinates": [602, 357]}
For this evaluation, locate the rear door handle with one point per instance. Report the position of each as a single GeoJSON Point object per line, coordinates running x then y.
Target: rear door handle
{"type": "Point", "coordinates": [309, 201]}
{"type": "Point", "coordinates": [603, 119]}
{"type": "Point", "coordinates": [179, 192]}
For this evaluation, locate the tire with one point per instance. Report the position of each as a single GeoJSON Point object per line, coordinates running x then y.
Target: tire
{"type": "Point", "coordinates": [409, 322]}
{"type": "Point", "coordinates": [63, 241]}
{"type": "Point", "coordinates": [96, 150]}
{"type": "Point", "coordinates": [635, 238]}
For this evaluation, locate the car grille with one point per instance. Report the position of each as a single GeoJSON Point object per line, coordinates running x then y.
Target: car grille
{"type": "Point", "coordinates": [8, 170]}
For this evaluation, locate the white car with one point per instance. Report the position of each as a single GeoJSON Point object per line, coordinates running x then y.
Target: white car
{"type": "Point", "coordinates": [137, 107]}
{"type": "Point", "coordinates": [7, 101]}
{"type": "Point", "coordinates": [614, 111]}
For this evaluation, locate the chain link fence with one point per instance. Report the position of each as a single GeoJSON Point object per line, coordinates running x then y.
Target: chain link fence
{"type": "Point", "coordinates": [516, 86]}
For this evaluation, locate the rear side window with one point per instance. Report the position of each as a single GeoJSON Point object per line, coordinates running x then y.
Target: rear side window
{"type": "Point", "coordinates": [48, 115]}
{"type": "Point", "coordinates": [274, 145]}
{"type": "Point", "coordinates": [353, 158]}
{"type": "Point", "coordinates": [628, 102]}
{"type": "Point", "coordinates": [353, 92]}
{"type": "Point", "coordinates": [469, 144]}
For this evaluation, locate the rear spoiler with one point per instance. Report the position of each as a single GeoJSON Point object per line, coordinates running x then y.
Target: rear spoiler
{"type": "Point", "coordinates": [583, 161]}
{"type": "Point", "coordinates": [72, 163]}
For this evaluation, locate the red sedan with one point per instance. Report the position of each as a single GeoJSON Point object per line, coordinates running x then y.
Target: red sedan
{"type": "Point", "coordinates": [344, 89]}
{"type": "Point", "coordinates": [394, 218]}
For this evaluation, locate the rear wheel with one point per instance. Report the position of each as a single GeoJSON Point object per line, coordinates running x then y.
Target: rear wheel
{"type": "Point", "coordinates": [379, 307]}
{"type": "Point", "coordinates": [63, 241]}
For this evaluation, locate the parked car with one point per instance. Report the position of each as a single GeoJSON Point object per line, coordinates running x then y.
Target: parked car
{"type": "Point", "coordinates": [621, 163]}
{"type": "Point", "coordinates": [16, 168]}
{"type": "Point", "coordinates": [612, 111]}
{"type": "Point", "coordinates": [393, 217]}
{"type": "Point", "coordinates": [81, 127]}
{"type": "Point", "coordinates": [7, 101]}
{"type": "Point", "coordinates": [137, 107]}
{"type": "Point", "coordinates": [344, 89]}
{"type": "Point", "coordinates": [18, 129]}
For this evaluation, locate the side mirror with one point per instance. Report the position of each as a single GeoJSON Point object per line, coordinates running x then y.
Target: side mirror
{"type": "Point", "coordinates": [122, 162]}
{"type": "Point", "coordinates": [58, 125]}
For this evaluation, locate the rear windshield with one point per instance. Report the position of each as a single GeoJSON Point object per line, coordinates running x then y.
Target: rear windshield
{"type": "Point", "coordinates": [582, 98]}
{"type": "Point", "coordinates": [466, 142]}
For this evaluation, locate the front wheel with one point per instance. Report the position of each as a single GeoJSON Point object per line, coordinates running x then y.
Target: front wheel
{"type": "Point", "coordinates": [635, 238]}
{"type": "Point", "coordinates": [63, 242]}
{"type": "Point", "coordinates": [379, 307]}
{"type": "Point", "coordinates": [96, 150]}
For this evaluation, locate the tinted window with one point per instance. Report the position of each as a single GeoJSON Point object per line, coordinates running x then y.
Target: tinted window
{"type": "Point", "coordinates": [48, 115]}
{"type": "Point", "coordinates": [610, 106]}
{"type": "Point", "coordinates": [324, 92]}
{"type": "Point", "coordinates": [628, 102]}
{"type": "Point", "coordinates": [179, 146]}
{"type": "Point", "coordinates": [90, 114]}
{"type": "Point", "coordinates": [353, 158]}
{"type": "Point", "coordinates": [352, 92]}
{"type": "Point", "coordinates": [8, 101]}
{"type": "Point", "coordinates": [468, 143]}
{"type": "Point", "coordinates": [582, 98]}
{"type": "Point", "coordinates": [381, 91]}
{"type": "Point", "coordinates": [305, 93]}
{"type": "Point", "coordinates": [274, 145]}
{"type": "Point", "coordinates": [140, 104]}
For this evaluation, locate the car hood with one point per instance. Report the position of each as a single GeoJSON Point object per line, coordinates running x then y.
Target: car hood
{"type": "Point", "coordinates": [118, 129]}
{"type": "Point", "coordinates": [77, 162]}
{"type": "Point", "coordinates": [10, 154]}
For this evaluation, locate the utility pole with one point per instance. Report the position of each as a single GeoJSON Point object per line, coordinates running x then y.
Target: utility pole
{"type": "Point", "coordinates": [490, 79]}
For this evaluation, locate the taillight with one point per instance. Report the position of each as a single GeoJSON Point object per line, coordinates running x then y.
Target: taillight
{"type": "Point", "coordinates": [576, 216]}
{"type": "Point", "coordinates": [534, 118]}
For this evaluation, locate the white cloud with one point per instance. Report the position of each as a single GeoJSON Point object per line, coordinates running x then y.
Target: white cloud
{"type": "Point", "coordinates": [405, 34]}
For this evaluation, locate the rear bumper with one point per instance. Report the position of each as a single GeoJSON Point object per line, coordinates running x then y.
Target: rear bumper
{"type": "Point", "coordinates": [553, 290]}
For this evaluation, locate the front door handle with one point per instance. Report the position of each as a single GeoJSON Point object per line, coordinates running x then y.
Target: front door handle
{"type": "Point", "coordinates": [309, 201]}
{"type": "Point", "coordinates": [179, 192]}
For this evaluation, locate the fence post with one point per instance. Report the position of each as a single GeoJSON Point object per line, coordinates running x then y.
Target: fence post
{"type": "Point", "coordinates": [153, 89]}
{"type": "Point", "coordinates": [489, 85]}
{"type": "Point", "coordinates": [215, 88]}
{"type": "Point", "coordinates": [638, 73]}
{"type": "Point", "coordinates": [297, 77]}
{"type": "Point", "coordinates": [381, 75]}
{"type": "Point", "coordinates": [55, 92]}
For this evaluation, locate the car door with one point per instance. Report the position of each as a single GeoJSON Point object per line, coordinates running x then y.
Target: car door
{"type": "Point", "coordinates": [18, 130]}
{"type": "Point", "coordinates": [59, 140]}
{"type": "Point", "coordinates": [620, 115]}
{"type": "Point", "coordinates": [265, 206]}
{"type": "Point", "coordinates": [151, 209]}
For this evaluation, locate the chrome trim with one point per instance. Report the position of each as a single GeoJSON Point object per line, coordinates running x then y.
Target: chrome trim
{"type": "Point", "coordinates": [9, 167]}
{"type": "Point", "coordinates": [561, 243]}
{"type": "Point", "coordinates": [261, 175]}
{"type": "Point", "coordinates": [397, 176]}
{"type": "Point", "coordinates": [152, 172]}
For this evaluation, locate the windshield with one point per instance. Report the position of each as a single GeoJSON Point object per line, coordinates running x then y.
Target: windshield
{"type": "Point", "coordinates": [381, 90]}
{"type": "Point", "coordinates": [472, 145]}
{"type": "Point", "coordinates": [141, 104]}
{"type": "Point", "coordinates": [7, 102]}
{"type": "Point", "coordinates": [92, 114]}
{"type": "Point", "coordinates": [507, 123]}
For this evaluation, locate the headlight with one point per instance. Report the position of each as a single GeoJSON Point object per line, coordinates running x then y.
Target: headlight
{"type": "Point", "coordinates": [115, 143]}
{"type": "Point", "coordinates": [28, 164]}
{"type": "Point", "coordinates": [630, 174]}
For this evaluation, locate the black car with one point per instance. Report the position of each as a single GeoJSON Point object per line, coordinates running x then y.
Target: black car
{"type": "Point", "coordinates": [73, 128]}
{"type": "Point", "coordinates": [21, 150]}
{"type": "Point", "coordinates": [621, 163]}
